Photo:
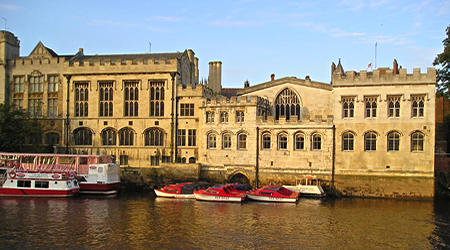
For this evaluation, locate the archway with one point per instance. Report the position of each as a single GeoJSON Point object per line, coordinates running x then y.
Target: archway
{"type": "Point", "coordinates": [239, 178]}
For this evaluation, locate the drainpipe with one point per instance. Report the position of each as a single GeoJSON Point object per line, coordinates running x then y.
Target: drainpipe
{"type": "Point", "coordinates": [172, 122]}
{"type": "Point", "coordinates": [257, 158]}
{"type": "Point", "coordinates": [67, 112]}
{"type": "Point", "coordinates": [333, 158]}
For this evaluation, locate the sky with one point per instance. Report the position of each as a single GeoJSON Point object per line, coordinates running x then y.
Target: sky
{"type": "Point", "coordinates": [252, 38]}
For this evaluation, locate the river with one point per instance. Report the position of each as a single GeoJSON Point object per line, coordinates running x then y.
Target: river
{"type": "Point", "coordinates": [141, 221]}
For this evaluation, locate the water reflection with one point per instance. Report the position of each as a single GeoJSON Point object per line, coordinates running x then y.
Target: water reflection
{"type": "Point", "coordinates": [141, 221]}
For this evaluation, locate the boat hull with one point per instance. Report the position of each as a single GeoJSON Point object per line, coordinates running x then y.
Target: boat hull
{"type": "Point", "coordinates": [271, 199]}
{"type": "Point", "coordinates": [306, 190]}
{"type": "Point", "coordinates": [25, 192]}
{"type": "Point", "coordinates": [97, 188]}
{"type": "Point", "coordinates": [163, 194]}
{"type": "Point", "coordinates": [204, 197]}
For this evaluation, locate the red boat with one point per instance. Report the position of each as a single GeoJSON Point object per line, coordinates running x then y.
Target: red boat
{"type": "Point", "coordinates": [273, 194]}
{"type": "Point", "coordinates": [226, 193]}
{"type": "Point", "coordinates": [180, 190]}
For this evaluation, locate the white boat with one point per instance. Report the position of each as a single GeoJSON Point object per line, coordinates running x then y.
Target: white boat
{"type": "Point", "coordinates": [102, 178]}
{"type": "Point", "coordinates": [273, 194]}
{"type": "Point", "coordinates": [309, 186]}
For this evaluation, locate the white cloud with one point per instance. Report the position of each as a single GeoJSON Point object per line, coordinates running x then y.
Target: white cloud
{"type": "Point", "coordinates": [229, 23]}
{"type": "Point", "coordinates": [9, 7]}
{"type": "Point", "coordinates": [163, 19]}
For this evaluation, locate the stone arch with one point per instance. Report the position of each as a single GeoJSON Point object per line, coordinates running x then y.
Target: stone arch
{"type": "Point", "coordinates": [239, 177]}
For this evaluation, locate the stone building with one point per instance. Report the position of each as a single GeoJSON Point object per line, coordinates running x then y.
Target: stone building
{"type": "Point", "coordinates": [368, 133]}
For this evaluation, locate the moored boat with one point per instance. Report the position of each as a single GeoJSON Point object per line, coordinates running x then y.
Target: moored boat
{"type": "Point", "coordinates": [273, 194]}
{"type": "Point", "coordinates": [102, 178]}
{"type": "Point", "coordinates": [183, 190]}
{"type": "Point", "coordinates": [309, 187]}
{"type": "Point", "coordinates": [223, 193]}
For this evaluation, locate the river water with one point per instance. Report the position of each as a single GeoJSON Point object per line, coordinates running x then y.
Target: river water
{"type": "Point", "coordinates": [141, 221]}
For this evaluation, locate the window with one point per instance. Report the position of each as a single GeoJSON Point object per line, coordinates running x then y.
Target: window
{"type": "Point", "coordinates": [299, 141]}
{"type": "Point", "coordinates": [371, 106]}
{"type": "Point", "coordinates": [347, 141]}
{"type": "Point", "coordinates": [53, 82]}
{"type": "Point", "coordinates": [108, 137]}
{"type": "Point", "coordinates": [156, 98]}
{"type": "Point", "coordinates": [81, 99]}
{"type": "Point", "coordinates": [106, 98]}
{"type": "Point", "coordinates": [52, 107]}
{"type": "Point", "coordinates": [18, 103]}
{"type": "Point", "coordinates": [35, 107]}
{"type": "Point", "coordinates": [287, 104]}
{"type": "Point", "coordinates": [154, 137]}
{"type": "Point", "coordinates": [417, 106]}
{"type": "Point", "coordinates": [239, 116]}
{"type": "Point", "coordinates": [123, 159]}
{"type": "Point", "coordinates": [209, 117]}
{"type": "Point", "coordinates": [181, 137]}
{"type": "Point", "coordinates": [348, 105]}
{"type": "Point", "coordinates": [417, 142]}
{"type": "Point", "coordinates": [131, 94]}
{"type": "Point", "coordinates": [52, 138]}
{"type": "Point", "coordinates": [126, 137]}
{"type": "Point", "coordinates": [316, 142]}
{"type": "Point", "coordinates": [393, 140]}
{"type": "Point", "coordinates": [370, 141]}
{"type": "Point", "coordinates": [23, 183]}
{"type": "Point", "coordinates": [154, 160]}
{"type": "Point", "coordinates": [212, 140]}
{"type": "Point", "coordinates": [192, 137]}
{"type": "Point", "coordinates": [82, 136]}
{"type": "Point", "coordinates": [36, 84]}
{"type": "Point", "coordinates": [186, 109]}
{"type": "Point", "coordinates": [266, 141]}
{"type": "Point", "coordinates": [242, 141]}
{"type": "Point", "coordinates": [282, 141]}
{"type": "Point", "coordinates": [393, 106]}
{"type": "Point", "coordinates": [223, 117]}
{"type": "Point", "coordinates": [226, 141]}
{"type": "Point", "coordinates": [19, 82]}
{"type": "Point", "coordinates": [41, 184]}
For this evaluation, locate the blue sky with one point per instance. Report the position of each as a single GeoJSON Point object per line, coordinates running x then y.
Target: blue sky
{"type": "Point", "coordinates": [253, 39]}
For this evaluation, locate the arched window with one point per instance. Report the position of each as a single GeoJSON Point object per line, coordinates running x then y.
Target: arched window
{"type": "Point", "coordinates": [299, 141]}
{"type": "Point", "coordinates": [52, 138]}
{"type": "Point", "coordinates": [106, 98]}
{"type": "Point", "coordinates": [212, 140]}
{"type": "Point", "coordinates": [154, 137]}
{"type": "Point", "coordinates": [156, 98]}
{"type": "Point", "coordinates": [287, 104]}
{"type": "Point", "coordinates": [266, 141]}
{"type": "Point", "coordinates": [417, 139]}
{"type": "Point", "coordinates": [226, 141]}
{"type": "Point", "coordinates": [82, 136]}
{"type": "Point", "coordinates": [417, 106]}
{"type": "Point", "coordinates": [242, 141]}
{"type": "Point", "coordinates": [348, 141]}
{"type": "Point", "coordinates": [393, 141]}
{"type": "Point", "coordinates": [223, 117]}
{"type": "Point", "coordinates": [131, 97]}
{"type": "Point", "coordinates": [282, 141]}
{"type": "Point", "coordinates": [126, 137]}
{"type": "Point", "coordinates": [316, 142]}
{"type": "Point", "coordinates": [108, 137]}
{"type": "Point", "coordinates": [192, 159]}
{"type": "Point", "coordinates": [370, 141]}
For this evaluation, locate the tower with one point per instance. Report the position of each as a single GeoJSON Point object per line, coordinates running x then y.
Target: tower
{"type": "Point", "coordinates": [215, 77]}
{"type": "Point", "coordinates": [9, 48]}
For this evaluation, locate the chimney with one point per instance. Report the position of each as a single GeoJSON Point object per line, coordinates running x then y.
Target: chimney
{"type": "Point", "coordinates": [272, 77]}
{"type": "Point", "coordinates": [395, 68]}
{"type": "Point", "coordinates": [215, 76]}
{"type": "Point", "coordinates": [80, 50]}
{"type": "Point", "coordinates": [246, 84]}
{"type": "Point", "coordinates": [307, 78]}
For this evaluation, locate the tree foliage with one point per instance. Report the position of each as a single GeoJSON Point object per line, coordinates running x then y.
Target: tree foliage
{"type": "Point", "coordinates": [18, 133]}
{"type": "Point", "coordinates": [443, 73]}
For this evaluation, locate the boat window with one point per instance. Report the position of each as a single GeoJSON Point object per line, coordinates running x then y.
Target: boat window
{"type": "Point", "coordinates": [100, 169]}
{"type": "Point", "coordinates": [266, 193]}
{"type": "Point", "coordinates": [83, 160]}
{"type": "Point", "coordinates": [41, 184]}
{"type": "Point", "coordinates": [21, 183]}
{"type": "Point", "coordinates": [56, 182]}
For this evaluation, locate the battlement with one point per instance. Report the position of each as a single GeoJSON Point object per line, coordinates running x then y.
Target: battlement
{"type": "Point", "coordinates": [233, 101]}
{"type": "Point", "coordinates": [383, 76]}
{"type": "Point", "coordinates": [190, 90]}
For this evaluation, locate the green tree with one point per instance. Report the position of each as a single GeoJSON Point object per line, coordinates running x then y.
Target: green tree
{"type": "Point", "coordinates": [17, 129]}
{"type": "Point", "coordinates": [443, 74]}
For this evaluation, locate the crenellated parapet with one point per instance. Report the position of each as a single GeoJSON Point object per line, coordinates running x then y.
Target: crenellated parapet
{"type": "Point", "coordinates": [189, 90]}
{"type": "Point", "coordinates": [221, 101]}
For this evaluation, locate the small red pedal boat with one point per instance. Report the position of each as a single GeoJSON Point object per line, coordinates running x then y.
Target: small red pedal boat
{"type": "Point", "coordinates": [224, 193]}
{"type": "Point", "coordinates": [273, 194]}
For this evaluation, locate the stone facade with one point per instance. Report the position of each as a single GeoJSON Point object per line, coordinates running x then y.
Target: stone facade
{"type": "Point", "coordinates": [362, 132]}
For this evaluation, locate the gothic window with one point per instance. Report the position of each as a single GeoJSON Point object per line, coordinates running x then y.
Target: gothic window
{"type": "Point", "coordinates": [370, 141]}
{"type": "Point", "coordinates": [348, 141]}
{"type": "Point", "coordinates": [242, 141]}
{"type": "Point", "coordinates": [156, 98]}
{"type": "Point", "coordinates": [52, 138]}
{"type": "Point", "coordinates": [209, 117]}
{"type": "Point", "coordinates": [226, 141]}
{"type": "Point", "coordinates": [186, 109]}
{"type": "Point", "coordinates": [348, 106]}
{"type": "Point", "coordinates": [212, 140]}
{"type": "Point", "coordinates": [299, 141]}
{"type": "Point", "coordinates": [126, 137]}
{"type": "Point", "coordinates": [393, 106]}
{"type": "Point", "coordinates": [181, 137]}
{"type": "Point", "coordinates": [106, 98]}
{"type": "Point", "coordinates": [223, 117]}
{"type": "Point", "coordinates": [108, 137]}
{"type": "Point", "coordinates": [192, 137]}
{"type": "Point", "coordinates": [417, 106]}
{"type": "Point", "coordinates": [19, 82]}
{"type": "Point", "coordinates": [316, 142]}
{"type": "Point", "coordinates": [266, 140]}
{"type": "Point", "coordinates": [393, 141]}
{"type": "Point", "coordinates": [81, 99]}
{"type": "Point", "coordinates": [239, 116]}
{"type": "Point", "coordinates": [36, 84]}
{"type": "Point", "coordinates": [287, 104]}
{"type": "Point", "coordinates": [154, 137]}
{"type": "Point", "coordinates": [53, 82]}
{"type": "Point", "coordinates": [370, 106]}
{"type": "Point", "coordinates": [282, 141]}
{"type": "Point", "coordinates": [131, 98]}
{"type": "Point", "coordinates": [82, 136]}
{"type": "Point", "coordinates": [417, 139]}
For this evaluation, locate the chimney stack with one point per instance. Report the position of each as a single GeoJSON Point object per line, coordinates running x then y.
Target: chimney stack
{"type": "Point", "coordinates": [272, 77]}
{"type": "Point", "coordinates": [215, 77]}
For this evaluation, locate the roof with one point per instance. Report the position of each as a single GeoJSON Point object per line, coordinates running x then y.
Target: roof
{"type": "Point", "coordinates": [228, 92]}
